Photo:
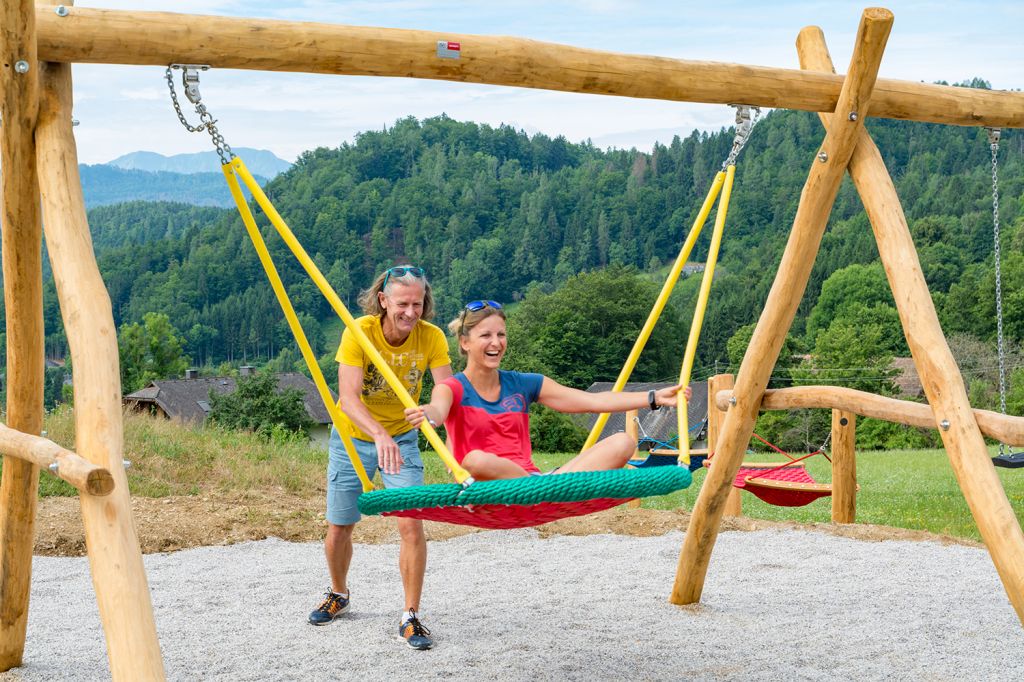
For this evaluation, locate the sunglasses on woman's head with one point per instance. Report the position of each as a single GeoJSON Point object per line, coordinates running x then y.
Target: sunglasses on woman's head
{"type": "Point", "coordinates": [402, 271]}
{"type": "Point", "coordinates": [474, 306]}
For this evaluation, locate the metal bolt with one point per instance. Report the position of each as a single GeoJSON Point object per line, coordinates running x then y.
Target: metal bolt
{"type": "Point", "coordinates": [62, 11]}
{"type": "Point", "coordinates": [844, 421]}
{"type": "Point", "coordinates": [54, 467]}
{"type": "Point", "coordinates": [823, 157]}
{"type": "Point", "coordinates": [74, 122]}
{"type": "Point", "coordinates": [853, 116]}
{"type": "Point", "coordinates": [21, 66]}
{"type": "Point", "coordinates": [126, 463]}
{"type": "Point", "coordinates": [732, 400]}
{"type": "Point", "coordinates": [944, 424]}
{"type": "Point", "coordinates": [43, 434]}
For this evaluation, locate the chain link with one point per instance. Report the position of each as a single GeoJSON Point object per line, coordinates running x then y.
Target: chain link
{"type": "Point", "coordinates": [744, 124]}
{"type": "Point", "coordinates": [993, 143]}
{"type": "Point", "coordinates": [207, 122]}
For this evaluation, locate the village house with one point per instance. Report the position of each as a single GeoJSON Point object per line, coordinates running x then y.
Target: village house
{"type": "Point", "coordinates": [188, 399]}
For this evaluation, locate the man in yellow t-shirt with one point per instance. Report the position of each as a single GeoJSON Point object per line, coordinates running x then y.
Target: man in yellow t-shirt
{"type": "Point", "coordinates": [397, 305]}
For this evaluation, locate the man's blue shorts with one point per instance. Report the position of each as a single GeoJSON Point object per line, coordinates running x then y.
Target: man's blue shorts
{"type": "Point", "coordinates": [343, 486]}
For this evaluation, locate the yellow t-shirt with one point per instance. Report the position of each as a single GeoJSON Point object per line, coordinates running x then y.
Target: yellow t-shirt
{"type": "Point", "coordinates": [425, 348]}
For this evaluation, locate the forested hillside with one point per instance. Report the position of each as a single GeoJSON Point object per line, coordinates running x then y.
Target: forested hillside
{"type": "Point", "coordinates": [103, 185]}
{"type": "Point", "coordinates": [495, 213]}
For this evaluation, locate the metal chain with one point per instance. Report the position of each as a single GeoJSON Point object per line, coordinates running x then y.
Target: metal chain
{"type": "Point", "coordinates": [208, 123]}
{"type": "Point", "coordinates": [744, 124]}
{"type": "Point", "coordinates": [993, 143]}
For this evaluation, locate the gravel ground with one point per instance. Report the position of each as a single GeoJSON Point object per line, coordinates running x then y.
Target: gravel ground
{"type": "Point", "coordinates": [777, 605]}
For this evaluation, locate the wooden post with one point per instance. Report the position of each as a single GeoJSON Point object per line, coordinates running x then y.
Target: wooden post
{"type": "Point", "coordinates": [104, 36]}
{"type": "Point", "coordinates": [816, 200]}
{"type": "Point", "coordinates": [634, 433]}
{"type": "Point", "coordinates": [114, 556]}
{"type": "Point", "coordinates": [844, 467]}
{"type": "Point", "coordinates": [935, 364]}
{"type": "Point", "coordinates": [23, 300]}
{"type": "Point", "coordinates": [721, 382]}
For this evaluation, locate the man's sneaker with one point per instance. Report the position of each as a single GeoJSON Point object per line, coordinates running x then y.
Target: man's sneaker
{"type": "Point", "coordinates": [333, 606]}
{"type": "Point", "coordinates": [415, 633]}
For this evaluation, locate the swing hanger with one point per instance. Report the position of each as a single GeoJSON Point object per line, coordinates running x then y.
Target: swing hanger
{"type": "Point", "coordinates": [746, 117]}
{"type": "Point", "coordinates": [190, 84]}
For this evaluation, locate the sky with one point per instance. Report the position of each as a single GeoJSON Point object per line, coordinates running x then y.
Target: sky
{"type": "Point", "coordinates": [122, 109]}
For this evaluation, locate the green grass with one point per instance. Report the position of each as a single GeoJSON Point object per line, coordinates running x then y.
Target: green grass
{"type": "Point", "coordinates": [912, 489]}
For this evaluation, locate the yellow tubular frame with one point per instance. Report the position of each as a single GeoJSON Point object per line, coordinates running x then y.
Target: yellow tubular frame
{"type": "Point", "coordinates": [237, 169]}
{"type": "Point", "coordinates": [698, 317]}
{"type": "Point", "coordinates": [661, 302]}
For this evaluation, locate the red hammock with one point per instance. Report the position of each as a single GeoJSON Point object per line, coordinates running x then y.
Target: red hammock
{"type": "Point", "coordinates": [782, 484]}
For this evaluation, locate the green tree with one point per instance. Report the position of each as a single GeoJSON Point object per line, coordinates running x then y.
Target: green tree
{"type": "Point", "coordinates": [583, 331]}
{"type": "Point", "coordinates": [257, 404]}
{"type": "Point", "coordinates": [148, 351]}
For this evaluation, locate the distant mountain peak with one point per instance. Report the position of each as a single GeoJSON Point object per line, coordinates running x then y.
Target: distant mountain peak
{"type": "Point", "coordinates": [259, 161]}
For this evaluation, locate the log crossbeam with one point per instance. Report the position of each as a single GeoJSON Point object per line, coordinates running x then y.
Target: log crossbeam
{"type": "Point", "coordinates": [102, 36]}
{"type": "Point", "coordinates": [1004, 428]}
{"type": "Point", "coordinates": [76, 470]}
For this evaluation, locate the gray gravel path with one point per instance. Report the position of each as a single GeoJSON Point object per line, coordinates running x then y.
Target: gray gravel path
{"type": "Point", "coordinates": [777, 605]}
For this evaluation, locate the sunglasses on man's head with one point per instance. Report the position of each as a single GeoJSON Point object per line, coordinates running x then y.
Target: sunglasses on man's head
{"type": "Point", "coordinates": [474, 306]}
{"type": "Point", "coordinates": [402, 271]}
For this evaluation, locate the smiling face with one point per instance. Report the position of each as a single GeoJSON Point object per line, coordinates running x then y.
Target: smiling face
{"type": "Point", "coordinates": [403, 307]}
{"type": "Point", "coordinates": [485, 344]}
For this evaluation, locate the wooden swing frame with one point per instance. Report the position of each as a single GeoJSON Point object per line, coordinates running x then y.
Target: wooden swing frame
{"type": "Point", "coordinates": [39, 159]}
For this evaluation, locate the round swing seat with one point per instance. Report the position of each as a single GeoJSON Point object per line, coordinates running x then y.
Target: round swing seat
{"type": "Point", "coordinates": [786, 493]}
{"type": "Point", "coordinates": [527, 501]}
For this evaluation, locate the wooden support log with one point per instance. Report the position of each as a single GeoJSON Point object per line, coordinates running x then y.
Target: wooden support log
{"type": "Point", "coordinates": [844, 467]}
{"type": "Point", "coordinates": [160, 38]}
{"type": "Point", "coordinates": [718, 385]}
{"type": "Point", "coordinates": [23, 301]}
{"type": "Point", "coordinates": [940, 376]}
{"type": "Point", "coordinates": [812, 214]}
{"type": "Point", "coordinates": [1004, 428]}
{"type": "Point", "coordinates": [633, 432]}
{"type": "Point", "coordinates": [114, 556]}
{"type": "Point", "coordinates": [42, 452]}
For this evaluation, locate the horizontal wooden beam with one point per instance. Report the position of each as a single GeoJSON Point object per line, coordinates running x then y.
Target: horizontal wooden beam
{"type": "Point", "coordinates": [102, 36]}
{"type": "Point", "coordinates": [42, 452]}
{"type": "Point", "coordinates": [1004, 428]}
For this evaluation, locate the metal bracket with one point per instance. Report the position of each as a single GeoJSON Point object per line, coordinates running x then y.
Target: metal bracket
{"type": "Point", "coordinates": [190, 80]}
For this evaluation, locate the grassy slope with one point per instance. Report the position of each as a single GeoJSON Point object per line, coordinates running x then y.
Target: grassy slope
{"type": "Point", "coordinates": [908, 489]}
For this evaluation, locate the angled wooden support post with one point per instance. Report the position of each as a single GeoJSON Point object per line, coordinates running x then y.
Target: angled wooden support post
{"type": "Point", "coordinates": [23, 298]}
{"type": "Point", "coordinates": [721, 382]}
{"type": "Point", "coordinates": [114, 556]}
{"type": "Point", "coordinates": [816, 202]}
{"type": "Point", "coordinates": [844, 467]}
{"type": "Point", "coordinates": [939, 373]}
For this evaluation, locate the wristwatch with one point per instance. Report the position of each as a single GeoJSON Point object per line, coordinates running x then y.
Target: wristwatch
{"type": "Point", "coordinates": [650, 399]}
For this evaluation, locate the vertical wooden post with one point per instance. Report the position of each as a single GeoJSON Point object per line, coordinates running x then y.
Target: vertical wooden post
{"type": "Point", "coordinates": [935, 364]}
{"type": "Point", "coordinates": [114, 556]}
{"type": "Point", "coordinates": [631, 428]}
{"type": "Point", "coordinates": [721, 382]}
{"type": "Point", "coordinates": [816, 200]}
{"type": "Point", "coordinates": [23, 300]}
{"type": "Point", "coordinates": [634, 433]}
{"type": "Point", "coordinates": [844, 467]}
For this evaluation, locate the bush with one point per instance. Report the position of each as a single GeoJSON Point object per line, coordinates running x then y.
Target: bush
{"type": "Point", "coordinates": [257, 405]}
{"type": "Point", "coordinates": [552, 431]}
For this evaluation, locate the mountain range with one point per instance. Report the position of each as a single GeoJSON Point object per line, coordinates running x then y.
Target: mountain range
{"type": "Point", "coordinates": [186, 178]}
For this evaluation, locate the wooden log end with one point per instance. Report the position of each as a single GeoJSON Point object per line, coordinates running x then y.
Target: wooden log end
{"type": "Point", "coordinates": [99, 482]}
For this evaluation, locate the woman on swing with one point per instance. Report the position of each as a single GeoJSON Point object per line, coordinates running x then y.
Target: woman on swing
{"type": "Point", "coordinates": [486, 409]}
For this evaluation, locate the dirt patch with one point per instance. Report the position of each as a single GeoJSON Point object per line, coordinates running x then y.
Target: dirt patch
{"type": "Point", "coordinates": [173, 523]}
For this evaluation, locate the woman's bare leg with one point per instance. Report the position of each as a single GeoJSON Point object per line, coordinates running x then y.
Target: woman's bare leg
{"type": "Point", "coordinates": [611, 453]}
{"type": "Point", "coordinates": [486, 466]}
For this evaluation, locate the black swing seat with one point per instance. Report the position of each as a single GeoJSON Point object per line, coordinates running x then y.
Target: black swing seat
{"type": "Point", "coordinates": [1010, 460]}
